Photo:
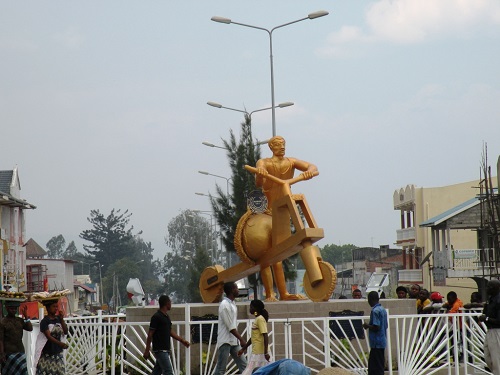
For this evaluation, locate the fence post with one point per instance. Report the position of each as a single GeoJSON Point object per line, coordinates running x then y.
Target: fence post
{"type": "Point", "coordinates": [187, 336]}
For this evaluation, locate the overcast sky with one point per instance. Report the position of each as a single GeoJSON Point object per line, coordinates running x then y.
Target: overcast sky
{"type": "Point", "coordinates": [103, 104]}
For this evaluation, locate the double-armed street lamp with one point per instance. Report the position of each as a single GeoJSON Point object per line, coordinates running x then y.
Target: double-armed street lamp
{"type": "Point", "coordinates": [249, 114]}
{"type": "Point", "coordinates": [310, 16]}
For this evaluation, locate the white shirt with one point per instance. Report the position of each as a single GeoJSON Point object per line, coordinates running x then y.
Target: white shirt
{"type": "Point", "coordinates": [228, 312]}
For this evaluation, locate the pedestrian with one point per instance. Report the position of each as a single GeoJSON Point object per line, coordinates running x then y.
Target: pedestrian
{"type": "Point", "coordinates": [491, 317]}
{"type": "Point", "coordinates": [159, 334]}
{"type": "Point", "coordinates": [12, 353]}
{"type": "Point", "coordinates": [259, 338]}
{"type": "Point", "coordinates": [475, 301]}
{"type": "Point", "coordinates": [356, 294]}
{"type": "Point", "coordinates": [402, 292]}
{"type": "Point", "coordinates": [228, 338]}
{"type": "Point", "coordinates": [49, 358]}
{"type": "Point", "coordinates": [423, 301]}
{"type": "Point", "coordinates": [377, 335]}
{"type": "Point", "coordinates": [414, 292]}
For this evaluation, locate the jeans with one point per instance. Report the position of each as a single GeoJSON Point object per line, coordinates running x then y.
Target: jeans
{"type": "Point", "coordinates": [223, 355]}
{"type": "Point", "coordinates": [162, 365]}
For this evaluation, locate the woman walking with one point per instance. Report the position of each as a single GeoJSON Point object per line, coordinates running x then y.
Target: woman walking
{"type": "Point", "coordinates": [259, 338]}
{"type": "Point", "coordinates": [49, 359]}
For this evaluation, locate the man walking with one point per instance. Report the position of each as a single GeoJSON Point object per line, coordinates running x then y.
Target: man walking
{"type": "Point", "coordinates": [377, 335]}
{"type": "Point", "coordinates": [491, 317]}
{"type": "Point", "coordinates": [160, 331]}
{"type": "Point", "coordinates": [12, 353]}
{"type": "Point", "coordinates": [227, 333]}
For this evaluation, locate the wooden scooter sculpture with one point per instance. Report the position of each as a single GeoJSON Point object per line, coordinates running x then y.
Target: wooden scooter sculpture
{"type": "Point", "coordinates": [262, 240]}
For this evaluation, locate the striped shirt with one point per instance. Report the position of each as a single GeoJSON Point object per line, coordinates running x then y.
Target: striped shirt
{"type": "Point", "coordinates": [228, 313]}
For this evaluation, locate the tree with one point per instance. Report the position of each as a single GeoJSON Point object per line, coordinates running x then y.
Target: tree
{"type": "Point", "coordinates": [71, 251]}
{"type": "Point", "coordinates": [229, 207]}
{"type": "Point", "coordinates": [56, 247]}
{"type": "Point", "coordinates": [116, 279]}
{"type": "Point", "coordinates": [189, 238]}
{"type": "Point", "coordinates": [337, 254]}
{"type": "Point", "coordinates": [111, 239]}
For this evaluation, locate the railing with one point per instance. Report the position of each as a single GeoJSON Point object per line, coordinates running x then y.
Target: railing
{"type": "Point", "coordinates": [473, 259]}
{"type": "Point", "coordinates": [418, 344]}
{"type": "Point", "coordinates": [410, 276]}
{"type": "Point", "coordinates": [405, 234]}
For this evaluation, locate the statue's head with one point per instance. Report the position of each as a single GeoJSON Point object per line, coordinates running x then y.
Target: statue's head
{"type": "Point", "coordinates": [277, 145]}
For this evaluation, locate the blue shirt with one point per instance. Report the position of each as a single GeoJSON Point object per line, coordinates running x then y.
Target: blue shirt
{"type": "Point", "coordinates": [284, 367]}
{"type": "Point", "coordinates": [378, 317]}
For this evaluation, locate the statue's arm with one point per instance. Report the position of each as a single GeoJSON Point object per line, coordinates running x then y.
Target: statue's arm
{"type": "Point", "coordinates": [307, 168]}
{"type": "Point", "coordinates": [261, 172]}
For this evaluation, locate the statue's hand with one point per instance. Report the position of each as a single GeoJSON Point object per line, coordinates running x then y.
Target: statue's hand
{"type": "Point", "coordinates": [307, 175]}
{"type": "Point", "coordinates": [262, 172]}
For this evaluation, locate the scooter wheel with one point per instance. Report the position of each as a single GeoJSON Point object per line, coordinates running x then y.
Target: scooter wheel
{"type": "Point", "coordinates": [322, 290]}
{"type": "Point", "coordinates": [211, 288]}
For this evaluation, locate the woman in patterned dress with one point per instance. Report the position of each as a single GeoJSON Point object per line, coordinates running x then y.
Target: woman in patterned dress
{"type": "Point", "coordinates": [49, 344]}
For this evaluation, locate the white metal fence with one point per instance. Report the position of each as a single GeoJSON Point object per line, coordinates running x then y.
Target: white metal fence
{"type": "Point", "coordinates": [417, 344]}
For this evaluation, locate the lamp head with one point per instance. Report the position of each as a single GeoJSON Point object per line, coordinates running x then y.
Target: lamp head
{"type": "Point", "coordinates": [221, 19]}
{"type": "Point", "coordinates": [214, 104]}
{"type": "Point", "coordinates": [319, 13]}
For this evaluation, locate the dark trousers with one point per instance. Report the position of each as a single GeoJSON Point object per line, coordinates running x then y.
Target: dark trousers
{"type": "Point", "coordinates": [376, 361]}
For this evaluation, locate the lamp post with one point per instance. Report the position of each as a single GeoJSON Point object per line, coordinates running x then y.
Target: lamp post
{"type": "Point", "coordinates": [225, 178]}
{"type": "Point", "coordinates": [249, 114]}
{"type": "Point", "coordinates": [310, 16]}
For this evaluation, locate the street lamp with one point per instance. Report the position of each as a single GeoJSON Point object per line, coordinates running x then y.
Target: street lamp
{"type": "Point", "coordinates": [203, 194]}
{"type": "Point", "coordinates": [310, 16]}
{"type": "Point", "coordinates": [281, 105]}
{"type": "Point", "coordinates": [208, 144]}
{"type": "Point", "coordinates": [225, 178]}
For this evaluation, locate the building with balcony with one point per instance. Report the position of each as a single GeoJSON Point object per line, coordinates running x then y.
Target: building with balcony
{"type": "Point", "coordinates": [12, 230]}
{"type": "Point", "coordinates": [440, 235]}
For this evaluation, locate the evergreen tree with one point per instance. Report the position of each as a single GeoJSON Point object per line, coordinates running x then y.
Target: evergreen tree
{"type": "Point", "coordinates": [110, 238]}
{"type": "Point", "coordinates": [55, 247]}
{"type": "Point", "coordinates": [229, 207]}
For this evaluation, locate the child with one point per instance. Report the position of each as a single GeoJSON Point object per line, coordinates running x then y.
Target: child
{"type": "Point", "coordinates": [259, 338]}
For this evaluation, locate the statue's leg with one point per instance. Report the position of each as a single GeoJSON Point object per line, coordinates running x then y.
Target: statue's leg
{"type": "Point", "coordinates": [279, 278]}
{"type": "Point", "coordinates": [267, 281]}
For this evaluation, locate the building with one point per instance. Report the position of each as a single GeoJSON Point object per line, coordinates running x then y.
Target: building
{"type": "Point", "coordinates": [12, 230]}
{"type": "Point", "coordinates": [439, 236]}
{"type": "Point", "coordinates": [355, 272]}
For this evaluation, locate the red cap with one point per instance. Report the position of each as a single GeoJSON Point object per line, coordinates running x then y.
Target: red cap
{"type": "Point", "coordinates": [436, 296]}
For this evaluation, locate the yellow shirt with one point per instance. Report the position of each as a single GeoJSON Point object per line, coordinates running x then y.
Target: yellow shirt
{"type": "Point", "coordinates": [259, 327]}
{"type": "Point", "coordinates": [421, 305]}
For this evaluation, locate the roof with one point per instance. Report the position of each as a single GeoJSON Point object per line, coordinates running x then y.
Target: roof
{"type": "Point", "coordinates": [85, 287]}
{"type": "Point", "coordinates": [34, 250]}
{"type": "Point", "coordinates": [444, 216]}
{"type": "Point", "coordinates": [5, 180]}
{"type": "Point", "coordinates": [6, 198]}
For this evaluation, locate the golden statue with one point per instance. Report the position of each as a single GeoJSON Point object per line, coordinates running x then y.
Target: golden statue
{"type": "Point", "coordinates": [264, 237]}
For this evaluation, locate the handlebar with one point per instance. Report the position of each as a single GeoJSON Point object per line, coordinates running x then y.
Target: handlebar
{"type": "Point", "coordinates": [278, 180]}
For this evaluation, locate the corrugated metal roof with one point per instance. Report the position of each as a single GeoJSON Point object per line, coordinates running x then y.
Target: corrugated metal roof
{"type": "Point", "coordinates": [5, 181]}
{"type": "Point", "coordinates": [436, 220]}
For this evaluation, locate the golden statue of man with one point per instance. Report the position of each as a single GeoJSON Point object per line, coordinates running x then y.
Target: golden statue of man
{"type": "Point", "coordinates": [284, 168]}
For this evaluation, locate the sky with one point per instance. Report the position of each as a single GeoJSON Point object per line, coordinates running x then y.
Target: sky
{"type": "Point", "coordinates": [103, 104]}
